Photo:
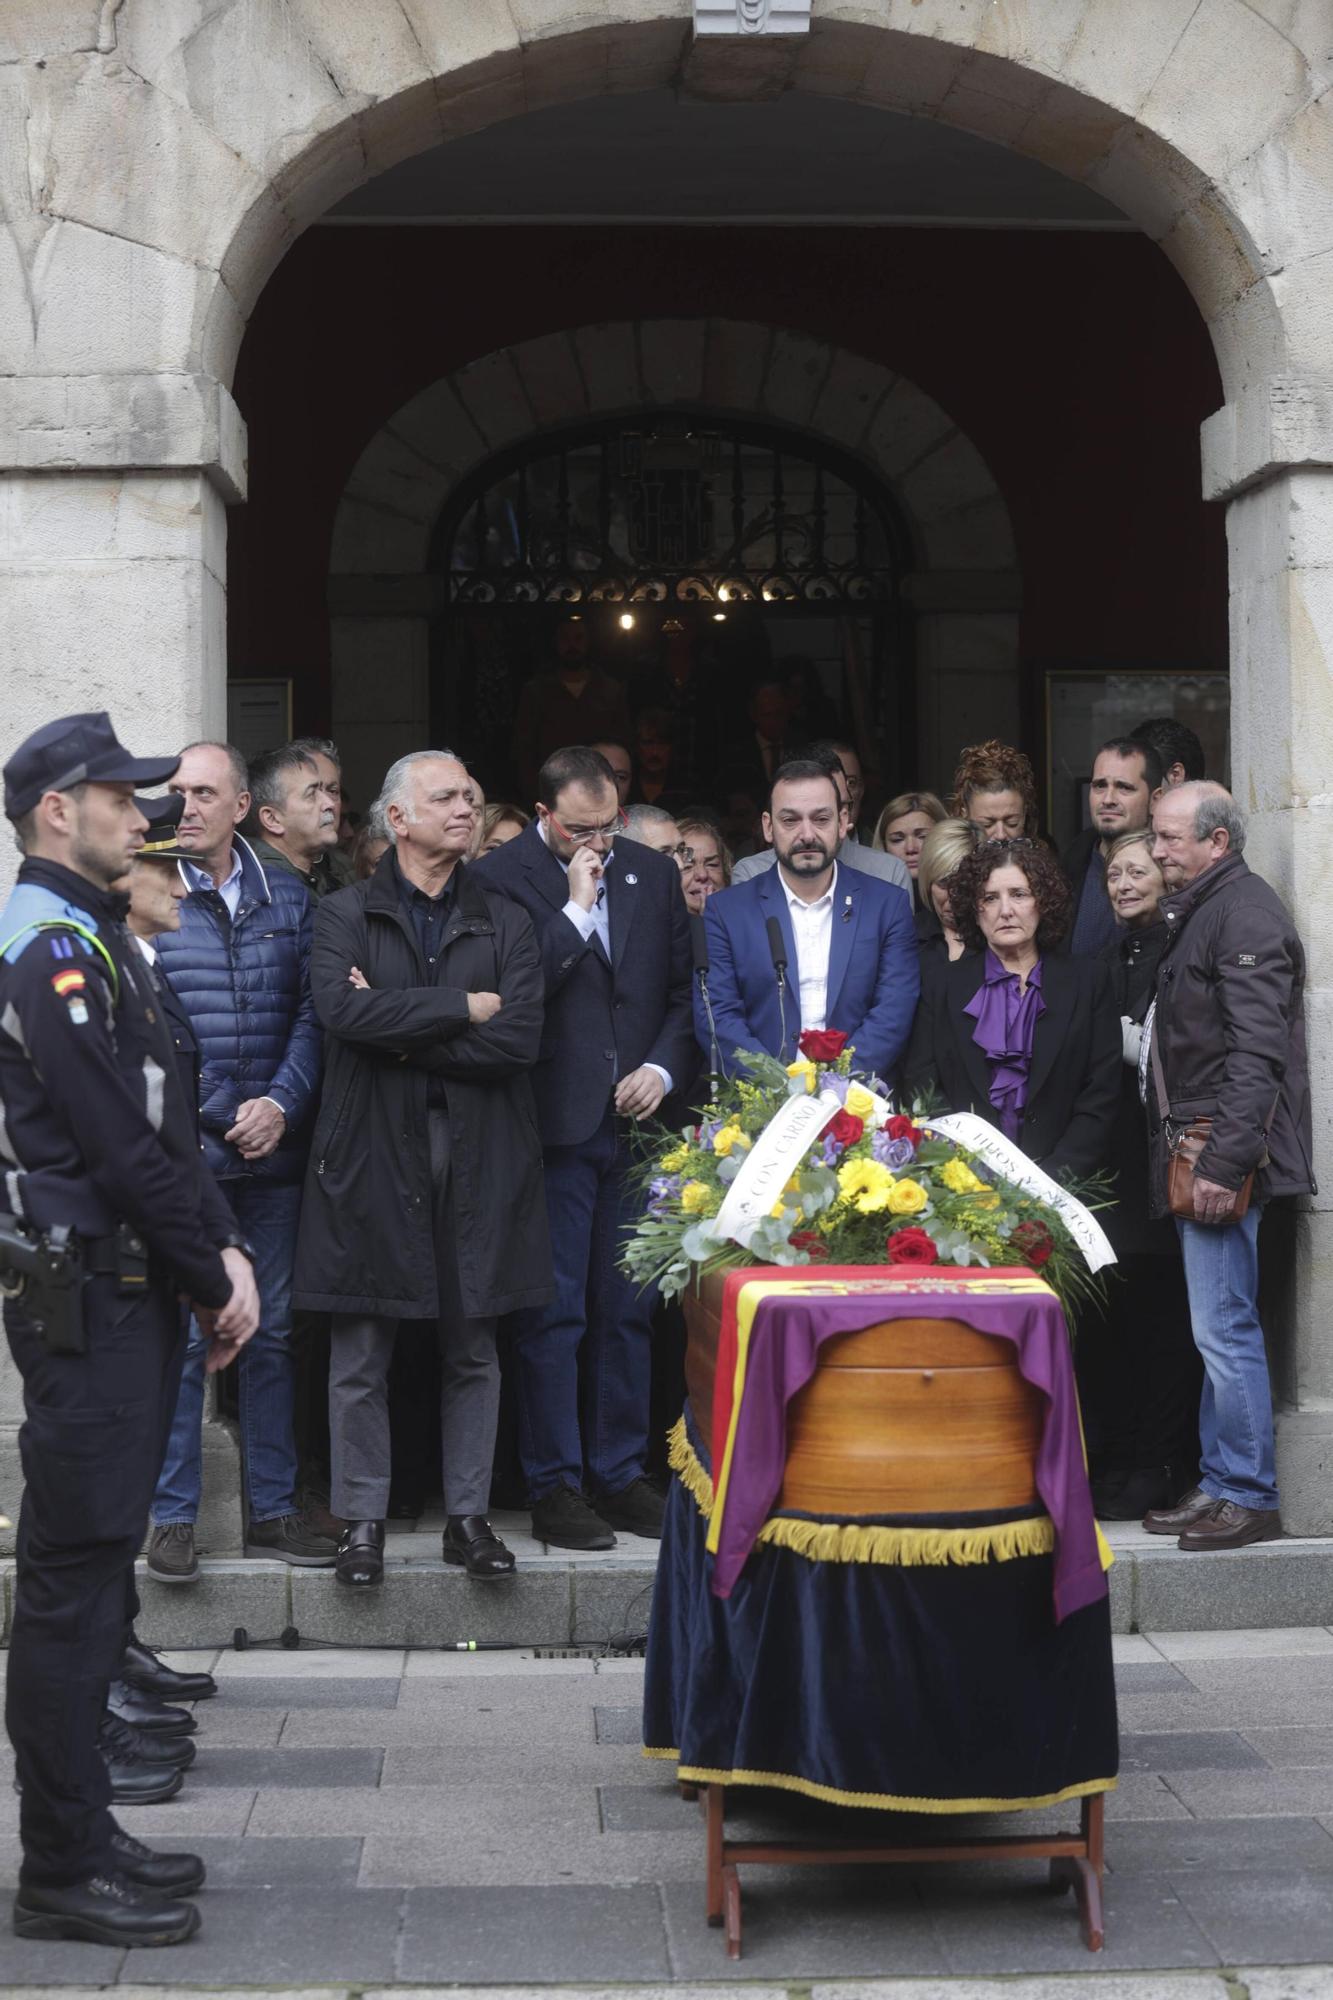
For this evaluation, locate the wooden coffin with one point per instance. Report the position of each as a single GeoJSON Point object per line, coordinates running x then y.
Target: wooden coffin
{"type": "Point", "coordinates": [913, 1416]}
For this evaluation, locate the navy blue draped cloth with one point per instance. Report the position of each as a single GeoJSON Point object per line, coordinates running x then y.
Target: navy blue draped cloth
{"type": "Point", "coordinates": [933, 1688]}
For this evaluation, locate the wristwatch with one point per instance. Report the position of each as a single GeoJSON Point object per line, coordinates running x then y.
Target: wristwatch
{"type": "Point", "coordinates": [235, 1241]}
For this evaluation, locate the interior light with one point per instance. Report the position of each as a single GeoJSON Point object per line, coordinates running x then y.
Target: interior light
{"type": "Point", "coordinates": [719, 617]}
{"type": "Point", "coordinates": [627, 621]}
{"type": "Point", "coordinates": [724, 594]}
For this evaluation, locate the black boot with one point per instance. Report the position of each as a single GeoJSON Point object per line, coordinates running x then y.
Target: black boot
{"type": "Point", "coordinates": [142, 1668]}
{"type": "Point", "coordinates": [119, 1743]}
{"type": "Point", "coordinates": [146, 1712]}
{"type": "Point", "coordinates": [107, 1909]}
{"type": "Point", "coordinates": [164, 1874]}
{"type": "Point", "coordinates": [470, 1540]}
{"type": "Point", "coordinates": [360, 1559]}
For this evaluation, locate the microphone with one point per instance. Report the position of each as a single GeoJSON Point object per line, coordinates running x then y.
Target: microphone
{"type": "Point", "coordinates": [777, 947]}
{"type": "Point", "coordinates": [699, 947]}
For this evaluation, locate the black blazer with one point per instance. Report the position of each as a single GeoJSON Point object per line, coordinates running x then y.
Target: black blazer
{"type": "Point", "coordinates": [1074, 1082]}
{"type": "Point", "coordinates": [602, 1020]}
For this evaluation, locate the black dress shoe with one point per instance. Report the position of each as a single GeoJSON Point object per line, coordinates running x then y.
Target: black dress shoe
{"type": "Point", "coordinates": [638, 1509]}
{"type": "Point", "coordinates": [142, 1668]}
{"type": "Point", "coordinates": [1128, 1496]}
{"type": "Point", "coordinates": [135, 1783]}
{"type": "Point", "coordinates": [108, 1909]}
{"type": "Point", "coordinates": [146, 1712]}
{"type": "Point", "coordinates": [566, 1520]}
{"type": "Point", "coordinates": [1191, 1507]}
{"type": "Point", "coordinates": [360, 1559]}
{"type": "Point", "coordinates": [470, 1540]}
{"type": "Point", "coordinates": [164, 1874]}
{"type": "Point", "coordinates": [117, 1741]}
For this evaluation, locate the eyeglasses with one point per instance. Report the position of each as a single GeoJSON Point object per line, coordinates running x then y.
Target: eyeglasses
{"type": "Point", "coordinates": [683, 852]}
{"type": "Point", "coordinates": [581, 835]}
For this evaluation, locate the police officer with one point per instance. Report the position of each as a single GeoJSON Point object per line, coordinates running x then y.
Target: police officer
{"type": "Point", "coordinates": [101, 1172]}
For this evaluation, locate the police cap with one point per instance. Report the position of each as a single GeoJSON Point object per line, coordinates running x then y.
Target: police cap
{"type": "Point", "coordinates": [76, 750]}
{"type": "Point", "coordinates": [163, 816]}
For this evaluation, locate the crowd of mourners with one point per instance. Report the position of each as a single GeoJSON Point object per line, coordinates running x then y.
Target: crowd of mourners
{"type": "Point", "coordinates": [421, 1038]}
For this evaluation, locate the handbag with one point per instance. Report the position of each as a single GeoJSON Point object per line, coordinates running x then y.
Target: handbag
{"type": "Point", "coordinates": [1185, 1143]}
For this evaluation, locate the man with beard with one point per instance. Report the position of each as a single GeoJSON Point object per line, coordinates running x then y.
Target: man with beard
{"type": "Point", "coordinates": [848, 945]}
{"type": "Point", "coordinates": [1126, 778]}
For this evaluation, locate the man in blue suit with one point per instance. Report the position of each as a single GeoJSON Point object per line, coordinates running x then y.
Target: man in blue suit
{"type": "Point", "coordinates": [848, 941]}
{"type": "Point", "coordinates": [613, 932]}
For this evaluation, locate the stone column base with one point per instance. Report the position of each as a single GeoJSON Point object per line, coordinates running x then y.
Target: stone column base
{"type": "Point", "coordinates": [1304, 1466]}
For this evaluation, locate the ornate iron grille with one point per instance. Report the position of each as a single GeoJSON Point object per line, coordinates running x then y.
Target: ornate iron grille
{"type": "Point", "coordinates": [671, 510]}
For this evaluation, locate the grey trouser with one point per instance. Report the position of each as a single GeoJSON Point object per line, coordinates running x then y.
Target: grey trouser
{"type": "Point", "coordinates": [362, 1348]}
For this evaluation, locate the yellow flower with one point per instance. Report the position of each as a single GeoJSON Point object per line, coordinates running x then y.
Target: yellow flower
{"type": "Point", "coordinates": [728, 1136]}
{"type": "Point", "coordinates": [861, 1102]}
{"type": "Point", "coordinates": [907, 1198]}
{"type": "Point", "coordinates": [867, 1185]}
{"type": "Point", "coordinates": [959, 1178]}
{"type": "Point", "coordinates": [696, 1198]}
{"type": "Point", "coordinates": [672, 1162]}
{"type": "Point", "coordinates": [805, 1069]}
{"type": "Point", "coordinates": [991, 1200]}
{"type": "Point", "coordinates": [778, 1210]}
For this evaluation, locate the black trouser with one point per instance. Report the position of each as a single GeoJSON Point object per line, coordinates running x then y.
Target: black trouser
{"type": "Point", "coordinates": [92, 1444]}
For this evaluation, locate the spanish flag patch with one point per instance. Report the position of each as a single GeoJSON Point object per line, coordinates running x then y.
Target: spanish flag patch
{"type": "Point", "coordinates": [69, 981]}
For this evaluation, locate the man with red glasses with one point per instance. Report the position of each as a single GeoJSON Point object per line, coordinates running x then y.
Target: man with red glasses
{"type": "Point", "coordinates": [613, 931]}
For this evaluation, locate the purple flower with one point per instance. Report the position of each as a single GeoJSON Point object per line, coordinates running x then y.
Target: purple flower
{"type": "Point", "coordinates": [894, 1153]}
{"type": "Point", "coordinates": [830, 1080]}
{"type": "Point", "coordinates": [832, 1151]}
{"type": "Point", "coordinates": [663, 1190]}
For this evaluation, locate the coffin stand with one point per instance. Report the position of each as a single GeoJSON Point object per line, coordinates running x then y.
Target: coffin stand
{"type": "Point", "coordinates": [913, 1416]}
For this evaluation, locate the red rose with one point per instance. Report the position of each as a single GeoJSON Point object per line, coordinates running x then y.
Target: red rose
{"type": "Point", "coordinates": [844, 1127]}
{"type": "Point", "coordinates": [911, 1246]}
{"type": "Point", "coordinates": [807, 1240]}
{"type": "Point", "coordinates": [1033, 1242]}
{"type": "Point", "coordinates": [822, 1045]}
{"type": "Point", "coordinates": [903, 1128]}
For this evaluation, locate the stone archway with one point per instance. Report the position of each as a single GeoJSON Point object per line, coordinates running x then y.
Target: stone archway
{"type": "Point", "coordinates": [964, 584]}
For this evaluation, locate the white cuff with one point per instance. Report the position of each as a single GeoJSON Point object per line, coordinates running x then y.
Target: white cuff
{"type": "Point", "coordinates": [582, 920]}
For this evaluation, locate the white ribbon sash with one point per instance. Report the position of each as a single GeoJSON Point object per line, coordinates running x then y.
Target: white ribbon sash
{"type": "Point", "coordinates": [966, 1129]}
{"type": "Point", "coordinates": [769, 1165]}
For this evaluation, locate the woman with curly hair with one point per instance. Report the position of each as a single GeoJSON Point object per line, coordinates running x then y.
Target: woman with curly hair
{"type": "Point", "coordinates": [994, 786]}
{"type": "Point", "coordinates": [1012, 1030]}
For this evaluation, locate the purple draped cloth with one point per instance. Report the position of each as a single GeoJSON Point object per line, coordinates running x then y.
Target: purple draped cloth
{"type": "Point", "coordinates": [1006, 1019]}
{"type": "Point", "coordinates": [783, 1353]}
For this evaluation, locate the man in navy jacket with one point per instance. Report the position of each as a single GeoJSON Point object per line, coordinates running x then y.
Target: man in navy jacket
{"type": "Point", "coordinates": [240, 965]}
{"type": "Point", "coordinates": [848, 941]}
{"type": "Point", "coordinates": [613, 932]}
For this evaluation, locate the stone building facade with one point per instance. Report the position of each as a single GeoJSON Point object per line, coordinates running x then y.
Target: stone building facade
{"type": "Point", "coordinates": [158, 161]}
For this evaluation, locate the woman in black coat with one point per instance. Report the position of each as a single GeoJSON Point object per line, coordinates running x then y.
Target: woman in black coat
{"type": "Point", "coordinates": [1023, 1037]}
{"type": "Point", "coordinates": [1139, 1370]}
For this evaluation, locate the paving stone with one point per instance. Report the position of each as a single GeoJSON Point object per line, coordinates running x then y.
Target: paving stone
{"type": "Point", "coordinates": [308, 1769]}
{"type": "Point", "coordinates": [312, 1663]}
{"type": "Point", "coordinates": [807, 1923]}
{"type": "Point", "coordinates": [41, 1966]}
{"type": "Point", "coordinates": [1222, 1846]}
{"type": "Point", "coordinates": [252, 1594]}
{"type": "Point", "coordinates": [1287, 1749]}
{"type": "Point", "coordinates": [1162, 1678]}
{"type": "Point", "coordinates": [655, 1808]}
{"type": "Point", "coordinates": [428, 1725]}
{"type": "Point", "coordinates": [1266, 1914]}
{"type": "Point", "coordinates": [1290, 1983]}
{"type": "Point", "coordinates": [1289, 1584]}
{"type": "Point", "coordinates": [610, 1603]}
{"type": "Point", "coordinates": [1196, 1710]}
{"type": "Point", "coordinates": [1165, 1986]}
{"type": "Point", "coordinates": [301, 1934]}
{"type": "Point", "coordinates": [566, 1934]}
{"type": "Point", "coordinates": [570, 1763]}
{"type": "Point", "coordinates": [620, 1666]}
{"type": "Point", "coordinates": [224, 1727]}
{"type": "Point", "coordinates": [1188, 1750]}
{"type": "Point", "coordinates": [619, 1725]}
{"type": "Point", "coordinates": [305, 1691]}
{"type": "Point", "coordinates": [1271, 1643]}
{"type": "Point", "coordinates": [528, 1859]}
{"type": "Point", "coordinates": [195, 1810]}
{"type": "Point", "coordinates": [1309, 1674]}
{"type": "Point", "coordinates": [1004, 1919]}
{"type": "Point", "coordinates": [434, 1606]}
{"type": "Point", "coordinates": [1132, 1649]}
{"type": "Point", "coordinates": [429, 1664]}
{"type": "Point", "coordinates": [278, 1864]}
{"type": "Point", "coordinates": [1256, 1794]}
{"type": "Point", "coordinates": [426, 1810]}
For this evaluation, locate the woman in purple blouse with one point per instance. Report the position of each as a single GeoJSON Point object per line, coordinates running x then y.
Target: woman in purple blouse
{"type": "Point", "coordinates": [1014, 1031]}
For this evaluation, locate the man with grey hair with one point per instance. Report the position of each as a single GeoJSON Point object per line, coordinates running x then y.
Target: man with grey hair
{"type": "Point", "coordinates": [293, 822]}
{"type": "Point", "coordinates": [424, 1198]}
{"type": "Point", "coordinates": [653, 826]}
{"type": "Point", "coordinates": [327, 759]}
{"type": "Point", "coordinates": [1224, 1063]}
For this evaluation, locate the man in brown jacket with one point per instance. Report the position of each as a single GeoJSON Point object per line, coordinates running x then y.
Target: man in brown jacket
{"type": "Point", "coordinates": [1225, 1040]}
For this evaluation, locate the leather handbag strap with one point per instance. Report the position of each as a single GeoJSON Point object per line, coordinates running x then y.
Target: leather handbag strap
{"type": "Point", "coordinates": [1159, 1081]}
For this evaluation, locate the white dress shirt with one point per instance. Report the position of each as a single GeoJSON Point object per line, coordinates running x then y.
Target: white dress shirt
{"type": "Point", "coordinates": [230, 890]}
{"type": "Point", "coordinates": [812, 927]}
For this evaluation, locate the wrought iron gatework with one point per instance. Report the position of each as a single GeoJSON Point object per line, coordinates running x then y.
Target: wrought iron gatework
{"type": "Point", "coordinates": [671, 510]}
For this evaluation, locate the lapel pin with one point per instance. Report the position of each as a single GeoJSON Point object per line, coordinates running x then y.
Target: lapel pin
{"type": "Point", "coordinates": [631, 880]}
{"type": "Point", "coordinates": [846, 909]}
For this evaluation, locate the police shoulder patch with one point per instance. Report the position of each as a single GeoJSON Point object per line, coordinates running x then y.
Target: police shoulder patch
{"type": "Point", "coordinates": [69, 981]}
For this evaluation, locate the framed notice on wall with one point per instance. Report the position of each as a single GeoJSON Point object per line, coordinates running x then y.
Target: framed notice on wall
{"type": "Point", "coordinates": [1085, 707]}
{"type": "Point", "coordinates": [259, 715]}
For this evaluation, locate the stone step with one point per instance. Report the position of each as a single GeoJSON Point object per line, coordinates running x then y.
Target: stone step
{"type": "Point", "coordinates": [589, 1601]}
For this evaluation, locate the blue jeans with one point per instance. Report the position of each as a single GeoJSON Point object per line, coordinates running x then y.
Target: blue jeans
{"type": "Point", "coordinates": [1236, 1411]}
{"type": "Point", "coordinates": [267, 1215]}
{"type": "Point", "coordinates": [597, 1327]}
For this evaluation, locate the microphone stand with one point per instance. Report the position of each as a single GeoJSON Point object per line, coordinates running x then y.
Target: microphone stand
{"type": "Point", "coordinates": [778, 952]}
{"type": "Point", "coordinates": [699, 939]}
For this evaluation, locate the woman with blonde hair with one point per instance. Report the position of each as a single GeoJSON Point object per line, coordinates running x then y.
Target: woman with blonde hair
{"type": "Point", "coordinates": [943, 851]}
{"type": "Point", "coordinates": [904, 824]}
{"type": "Point", "coordinates": [994, 786]}
{"type": "Point", "coordinates": [500, 822]}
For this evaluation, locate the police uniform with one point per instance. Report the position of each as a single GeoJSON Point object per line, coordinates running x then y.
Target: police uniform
{"type": "Point", "coordinates": [96, 1137]}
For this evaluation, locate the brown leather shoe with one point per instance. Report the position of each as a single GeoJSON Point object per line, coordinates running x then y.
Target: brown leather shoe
{"type": "Point", "coordinates": [1231, 1527]}
{"type": "Point", "coordinates": [1190, 1507]}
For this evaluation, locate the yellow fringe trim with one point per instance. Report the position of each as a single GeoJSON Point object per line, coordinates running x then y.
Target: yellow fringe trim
{"type": "Point", "coordinates": [694, 1774]}
{"type": "Point", "coordinates": [904, 1548]}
